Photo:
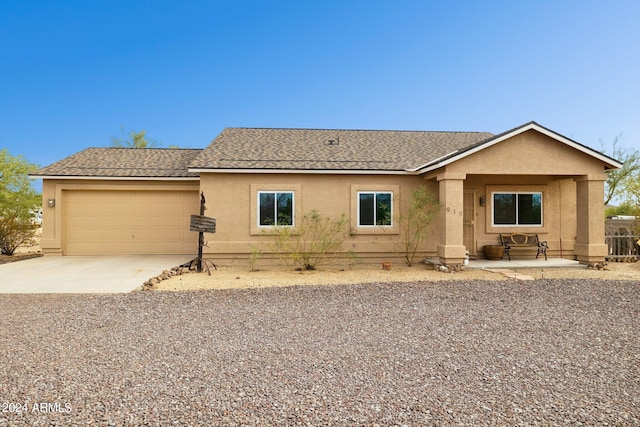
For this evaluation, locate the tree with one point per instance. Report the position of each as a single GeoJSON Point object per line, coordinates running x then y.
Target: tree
{"type": "Point", "coordinates": [18, 201]}
{"type": "Point", "coordinates": [631, 191]}
{"type": "Point", "coordinates": [626, 208]}
{"type": "Point", "coordinates": [423, 207]}
{"type": "Point", "coordinates": [627, 174]}
{"type": "Point", "coordinates": [133, 140]}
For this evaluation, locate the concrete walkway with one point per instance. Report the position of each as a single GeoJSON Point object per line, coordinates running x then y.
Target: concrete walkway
{"type": "Point", "coordinates": [84, 274]}
{"type": "Point", "coordinates": [525, 263]}
{"type": "Point", "coordinates": [510, 268]}
{"type": "Point", "coordinates": [486, 264]}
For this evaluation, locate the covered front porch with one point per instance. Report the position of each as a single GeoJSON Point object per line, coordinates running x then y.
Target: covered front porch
{"type": "Point", "coordinates": [529, 180]}
{"type": "Point", "coordinates": [565, 211]}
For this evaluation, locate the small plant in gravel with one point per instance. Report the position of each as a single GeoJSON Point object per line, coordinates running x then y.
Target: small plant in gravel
{"type": "Point", "coordinates": [423, 207]}
{"type": "Point", "coordinates": [312, 241]}
{"type": "Point", "coordinates": [254, 255]}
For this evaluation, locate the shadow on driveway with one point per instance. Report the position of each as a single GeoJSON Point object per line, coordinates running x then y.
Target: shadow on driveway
{"type": "Point", "coordinates": [84, 274]}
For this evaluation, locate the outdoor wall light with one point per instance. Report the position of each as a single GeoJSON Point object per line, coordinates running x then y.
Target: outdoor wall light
{"type": "Point", "coordinates": [483, 201]}
{"type": "Point", "coordinates": [51, 203]}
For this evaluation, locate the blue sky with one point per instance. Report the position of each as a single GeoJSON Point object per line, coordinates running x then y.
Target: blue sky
{"type": "Point", "coordinates": [73, 72]}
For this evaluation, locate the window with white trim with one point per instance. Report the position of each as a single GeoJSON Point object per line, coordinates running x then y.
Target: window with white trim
{"type": "Point", "coordinates": [517, 209]}
{"type": "Point", "coordinates": [275, 208]}
{"type": "Point", "coordinates": [375, 208]}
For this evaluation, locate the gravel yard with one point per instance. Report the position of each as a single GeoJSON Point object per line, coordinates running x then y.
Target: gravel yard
{"type": "Point", "coordinates": [458, 352]}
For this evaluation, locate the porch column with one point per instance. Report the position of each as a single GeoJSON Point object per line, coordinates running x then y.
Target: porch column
{"type": "Point", "coordinates": [451, 249]}
{"type": "Point", "coordinates": [590, 246]}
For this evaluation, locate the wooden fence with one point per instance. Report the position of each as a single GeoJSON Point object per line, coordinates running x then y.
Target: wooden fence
{"type": "Point", "coordinates": [623, 248]}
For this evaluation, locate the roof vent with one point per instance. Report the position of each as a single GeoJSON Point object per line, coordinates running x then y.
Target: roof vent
{"type": "Point", "coordinates": [335, 141]}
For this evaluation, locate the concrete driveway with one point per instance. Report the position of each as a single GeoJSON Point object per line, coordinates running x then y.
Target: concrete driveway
{"type": "Point", "coordinates": [84, 274]}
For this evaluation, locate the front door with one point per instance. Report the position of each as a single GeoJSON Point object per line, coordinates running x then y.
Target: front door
{"type": "Point", "coordinates": [469, 221]}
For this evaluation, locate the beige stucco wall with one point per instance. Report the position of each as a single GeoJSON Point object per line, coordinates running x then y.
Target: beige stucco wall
{"type": "Point", "coordinates": [54, 221]}
{"type": "Point", "coordinates": [230, 198]}
{"type": "Point", "coordinates": [529, 153]}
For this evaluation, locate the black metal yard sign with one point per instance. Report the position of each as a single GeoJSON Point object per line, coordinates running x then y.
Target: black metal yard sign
{"type": "Point", "coordinates": [203, 224]}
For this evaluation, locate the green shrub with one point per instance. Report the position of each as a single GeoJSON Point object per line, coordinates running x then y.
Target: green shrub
{"type": "Point", "coordinates": [15, 231]}
{"type": "Point", "coordinates": [311, 241]}
{"type": "Point", "coordinates": [423, 207]}
{"type": "Point", "coordinates": [18, 201]}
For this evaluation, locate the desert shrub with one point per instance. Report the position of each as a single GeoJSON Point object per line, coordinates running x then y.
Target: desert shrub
{"type": "Point", "coordinates": [310, 243]}
{"type": "Point", "coordinates": [18, 201]}
{"type": "Point", "coordinates": [414, 223]}
{"type": "Point", "coordinates": [15, 231]}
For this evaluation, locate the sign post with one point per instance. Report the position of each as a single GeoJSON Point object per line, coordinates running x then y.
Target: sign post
{"type": "Point", "coordinates": [202, 224]}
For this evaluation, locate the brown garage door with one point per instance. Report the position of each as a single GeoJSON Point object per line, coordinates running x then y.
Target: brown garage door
{"type": "Point", "coordinates": [129, 222]}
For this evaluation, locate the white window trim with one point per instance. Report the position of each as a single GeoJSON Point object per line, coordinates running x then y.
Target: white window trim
{"type": "Point", "coordinates": [276, 192]}
{"type": "Point", "coordinates": [390, 193]}
{"type": "Point", "coordinates": [516, 225]}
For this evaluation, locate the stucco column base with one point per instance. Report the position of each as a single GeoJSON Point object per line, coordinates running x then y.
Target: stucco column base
{"type": "Point", "coordinates": [452, 254]}
{"type": "Point", "coordinates": [52, 252]}
{"type": "Point", "coordinates": [590, 253]}
{"type": "Point", "coordinates": [50, 247]}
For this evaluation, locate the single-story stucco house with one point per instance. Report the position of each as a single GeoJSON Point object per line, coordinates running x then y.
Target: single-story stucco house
{"type": "Point", "coordinates": [527, 180]}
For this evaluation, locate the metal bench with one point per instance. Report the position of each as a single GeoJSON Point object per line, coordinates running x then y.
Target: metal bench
{"type": "Point", "coordinates": [523, 240]}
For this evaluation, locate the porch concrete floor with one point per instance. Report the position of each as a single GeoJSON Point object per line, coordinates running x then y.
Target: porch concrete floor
{"type": "Point", "coordinates": [525, 263]}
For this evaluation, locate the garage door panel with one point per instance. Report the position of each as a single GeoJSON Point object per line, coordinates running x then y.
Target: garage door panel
{"type": "Point", "coordinates": [86, 235]}
{"type": "Point", "coordinates": [160, 224]}
{"type": "Point", "coordinates": [151, 235]}
{"type": "Point", "coordinates": [129, 222]}
{"type": "Point", "coordinates": [176, 236]}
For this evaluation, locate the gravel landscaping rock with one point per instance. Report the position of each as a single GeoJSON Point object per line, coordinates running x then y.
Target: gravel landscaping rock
{"type": "Point", "coordinates": [544, 352]}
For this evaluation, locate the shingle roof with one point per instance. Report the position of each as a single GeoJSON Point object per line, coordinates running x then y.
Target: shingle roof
{"type": "Point", "coordinates": [124, 162]}
{"type": "Point", "coordinates": [312, 149]}
{"type": "Point", "coordinates": [296, 149]}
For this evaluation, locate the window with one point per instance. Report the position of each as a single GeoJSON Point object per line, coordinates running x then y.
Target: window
{"type": "Point", "coordinates": [374, 209]}
{"type": "Point", "coordinates": [519, 209]}
{"type": "Point", "coordinates": [275, 208]}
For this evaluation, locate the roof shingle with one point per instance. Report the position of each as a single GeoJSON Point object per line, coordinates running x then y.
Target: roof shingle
{"type": "Point", "coordinates": [312, 149]}
{"type": "Point", "coordinates": [124, 162]}
{"type": "Point", "coordinates": [293, 150]}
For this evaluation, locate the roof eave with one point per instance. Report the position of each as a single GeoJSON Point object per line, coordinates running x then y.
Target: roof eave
{"type": "Point", "coordinates": [306, 171]}
{"type": "Point", "coordinates": [434, 161]}
{"type": "Point", "coordinates": [118, 178]}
